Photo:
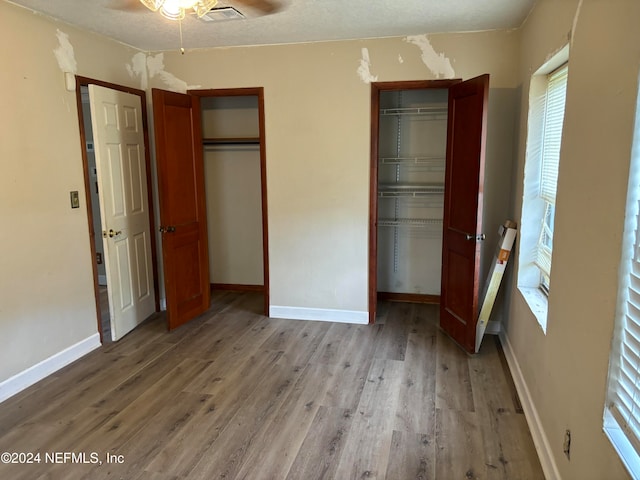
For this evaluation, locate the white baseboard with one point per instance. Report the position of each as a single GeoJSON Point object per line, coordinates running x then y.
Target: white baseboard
{"type": "Point", "coordinates": [493, 328]}
{"type": "Point", "coordinates": [319, 314]}
{"type": "Point", "coordinates": [34, 374]}
{"type": "Point", "coordinates": [540, 440]}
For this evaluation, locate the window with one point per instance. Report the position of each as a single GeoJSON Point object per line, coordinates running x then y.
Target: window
{"type": "Point", "coordinates": [555, 96]}
{"type": "Point", "coordinates": [622, 409]}
{"type": "Point", "coordinates": [547, 95]}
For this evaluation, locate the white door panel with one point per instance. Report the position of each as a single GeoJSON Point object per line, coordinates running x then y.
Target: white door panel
{"type": "Point", "coordinates": [119, 146]}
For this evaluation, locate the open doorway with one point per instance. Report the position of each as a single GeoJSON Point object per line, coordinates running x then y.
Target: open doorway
{"type": "Point", "coordinates": [418, 134]}
{"type": "Point", "coordinates": [96, 224]}
{"type": "Point", "coordinates": [118, 198]}
{"type": "Point", "coordinates": [409, 140]}
{"type": "Point", "coordinates": [235, 183]}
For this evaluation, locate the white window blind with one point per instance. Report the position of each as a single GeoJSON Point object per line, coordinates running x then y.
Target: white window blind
{"type": "Point", "coordinates": [554, 103]}
{"type": "Point", "coordinates": [545, 241]}
{"type": "Point", "coordinates": [552, 133]}
{"type": "Point", "coordinates": [622, 413]}
{"type": "Point", "coordinates": [625, 403]}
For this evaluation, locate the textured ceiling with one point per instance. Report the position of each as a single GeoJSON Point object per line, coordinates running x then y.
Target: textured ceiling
{"type": "Point", "coordinates": [294, 20]}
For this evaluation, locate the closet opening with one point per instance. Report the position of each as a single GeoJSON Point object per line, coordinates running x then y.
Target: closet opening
{"type": "Point", "coordinates": [235, 188]}
{"type": "Point", "coordinates": [408, 162]}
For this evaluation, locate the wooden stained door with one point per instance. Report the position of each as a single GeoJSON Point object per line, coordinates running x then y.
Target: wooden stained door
{"type": "Point", "coordinates": [178, 138]}
{"type": "Point", "coordinates": [462, 224]}
{"type": "Point", "coordinates": [118, 134]}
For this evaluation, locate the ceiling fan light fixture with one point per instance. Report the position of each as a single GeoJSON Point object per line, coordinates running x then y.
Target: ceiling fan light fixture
{"type": "Point", "coordinates": [176, 9]}
{"type": "Point", "coordinates": [204, 6]}
{"type": "Point", "coordinates": [172, 9]}
{"type": "Point", "coordinates": [152, 5]}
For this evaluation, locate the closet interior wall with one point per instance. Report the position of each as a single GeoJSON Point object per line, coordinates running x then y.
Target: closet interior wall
{"type": "Point", "coordinates": [412, 142]}
{"type": "Point", "coordinates": [231, 142]}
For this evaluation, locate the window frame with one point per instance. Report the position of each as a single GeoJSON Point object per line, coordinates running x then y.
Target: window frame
{"type": "Point", "coordinates": [619, 430]}
{"type": "Point", "coordinates": [539, 207]}
{"type": "Point", "coordinates": [552, 125]}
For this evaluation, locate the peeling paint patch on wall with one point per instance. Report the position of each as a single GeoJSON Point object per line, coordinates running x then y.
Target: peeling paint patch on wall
{"type": "Point", "coordinates": [439, 65]}
{"type": "Point", "coordinates": [364, 69]}
{"type": "Point", "coordinates": [138, 68]}
{"type": "Point", "coordinates": [64, 54]}
{"type": "Point", "coordinates": [155, 66]}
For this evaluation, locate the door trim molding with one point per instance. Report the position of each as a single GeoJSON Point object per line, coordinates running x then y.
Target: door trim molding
{"type": "Point", "coordinates": [259, 92]}
{"type": "Point", "coordinates": [376, 89]}
{"type": "Point", "coordinates": [83, 82]}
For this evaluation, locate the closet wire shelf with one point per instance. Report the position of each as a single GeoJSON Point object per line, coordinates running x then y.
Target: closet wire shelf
{"type": "Point", "coordinates": [434, 164]}
{"type": "Point", "coordinates": [435, 110]}
{"type": "Point", "coordinates": [397, 190]}
{"type": "Point", "coordinates": [409, 222]}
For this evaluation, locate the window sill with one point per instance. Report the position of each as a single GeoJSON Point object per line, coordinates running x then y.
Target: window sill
{"type": "Point", "coordinates": [538, 304]}
{"type": "Point", "coordinates": [622, 444]}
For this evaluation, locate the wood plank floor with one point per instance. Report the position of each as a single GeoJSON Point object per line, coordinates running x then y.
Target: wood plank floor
{"type": "Point", "coordinates": [236, 395]}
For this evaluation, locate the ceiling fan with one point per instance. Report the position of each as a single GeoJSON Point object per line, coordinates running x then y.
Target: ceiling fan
{"type": "Point", "coordinates": [258, 7]}
{"type": "Point", "coordinates": [204, 9]}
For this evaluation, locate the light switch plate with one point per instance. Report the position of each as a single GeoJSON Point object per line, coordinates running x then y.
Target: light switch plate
{"type": "Point", "coordinates": [75, 199]}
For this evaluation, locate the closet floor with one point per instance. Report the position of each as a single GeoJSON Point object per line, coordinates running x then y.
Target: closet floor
{"type": "Point", "coordinates": [234, 394]}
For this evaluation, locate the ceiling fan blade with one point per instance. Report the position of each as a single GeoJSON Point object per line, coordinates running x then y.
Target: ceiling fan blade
{"type": "Point", "coordinates": [265, 7]}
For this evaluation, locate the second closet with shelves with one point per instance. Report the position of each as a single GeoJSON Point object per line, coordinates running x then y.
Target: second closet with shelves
{"type": "Point", "coordinates": [412, 141]}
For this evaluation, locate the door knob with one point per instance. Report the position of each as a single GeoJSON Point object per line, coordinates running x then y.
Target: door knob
{"type": "Point", "coordinates": [111, 233]}
{"type": "Point", "coordinates": [169, 229]}
{"type": "Point", "coordinates": [478, 238]}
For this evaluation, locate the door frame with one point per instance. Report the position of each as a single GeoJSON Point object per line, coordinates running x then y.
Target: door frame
{"type": "Point", "coordinates": [376, 89]}
{"type": "Point", "coordinates": [83, 82]}
{"type": "Point", "coordinates": [259, 92]}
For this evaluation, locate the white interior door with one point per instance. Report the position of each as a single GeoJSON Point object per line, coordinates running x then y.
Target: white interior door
{"type": "Point", "coordinates": [118, 137]}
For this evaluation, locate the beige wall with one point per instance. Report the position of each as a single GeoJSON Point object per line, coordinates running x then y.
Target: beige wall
{"type": "Point", "coordinates": [566, 369]}
{"type": "Point", "coordinates": [46, 285]}
{"type": "Point", "coordinates": [317, 134]}
{"type": "Point", "coordinates": [234, 214]}
{"type": "Point", "coordinates": [317, 109]}
{"type": "Point", "coordinates": [317, 102]}
{"type": "Point", "coordinates": [233, 191]}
